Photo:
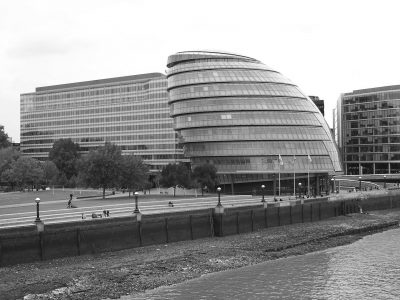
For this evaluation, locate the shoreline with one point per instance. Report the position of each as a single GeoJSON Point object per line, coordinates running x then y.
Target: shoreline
{"type": "Point", "coordinates": [116, 275]}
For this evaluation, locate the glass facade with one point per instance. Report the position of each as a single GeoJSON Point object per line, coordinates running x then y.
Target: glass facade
{"type": "Point", "coordinates": [241, 115]}
{"type": "Point", "coordinates": [131, 112]}
{"type": "Point", "coordinates": [369, 130]}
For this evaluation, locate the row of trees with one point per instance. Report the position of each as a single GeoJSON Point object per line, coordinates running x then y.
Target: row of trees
{"type": "Point", "coordinates": [180, 175]}
{"type": "Point", "coordinates": [104, 168]}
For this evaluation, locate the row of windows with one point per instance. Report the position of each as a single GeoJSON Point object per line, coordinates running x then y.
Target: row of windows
{"type": "Point", "coordinates": [198, 56]}
{"type": "Point", "coordinates": [374, 131]}
{"type": "Point", "coordinates": [246, 118]}
{"type": "Point", "coordinates": [136, 137]}
{"type": "Point", "coordinates": [96, 111]}
{"type": "Point", "coordinates": [149, 148]}
{"type": "Point", "coordinates": [367, 140]}
{"type": "Point", "coordinates": [123, 129]}
{"type": "Point", "coordinates": [111, 131]}
{"type": "Point", "coordinates": [216, 90]}
{"type": "Point", "coordinates": [225, 76]}
{"type": "Point", "coordinates": [373, 157]}
{"type": "Point", "coordinates": [158, 144]}
{"type": "Point", "coordinates": [372, 123]}
{"type": "Point", "coordinates": [33, 105]}
{"type": "Point", "coordinates": [256, 148]}
{"type": "Point", "coordinates": [100, 91]}
{"type": "Point", "coordinates": [227, 104]}
{"type": "Point", "coordinates": [333, 154]}
{"type": "Point", "coordinates": [372, 106]}
{"type": "Point", "coordinates": [372, 98]}
{"type": "Point", "coordinates": [269, 163]}
{"type": "Point", "coordinates": [216, 64]}
{"type": "Point", "coordinates": [378, 148]}
{"type": "Point", "coordinates": [254, 133]}
{"type": "Point", "coordinates": [260, 164]}
{"type": "Point", "coordinates": [123, 148]}
{"type": "Point", "coordinates": [104, 121]}
{"type": "Point", "coordinates": [379, 114]}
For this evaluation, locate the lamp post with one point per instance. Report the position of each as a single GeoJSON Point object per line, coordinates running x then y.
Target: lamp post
{"type": "Point", "coordinates": [384, 181]}
{"type": "Point", "coordinates": [219, 196]}
{"type": "Point", "coordinates": [39, 223]}
{"type": "Point", "coordinates": [37, 200]}
{"type": "Point", "coordinates": [137, 211]}
{"type": "Point", "coordinates": [136, 203]}
{"type": "Point", "coordinates": [359, 178]}
{"type": "Point", "coordinates": [263, 192]}
{"type": "Point", "coordinates": [299, 189]}
{"type": "Point", "coordinates": [219, 209]}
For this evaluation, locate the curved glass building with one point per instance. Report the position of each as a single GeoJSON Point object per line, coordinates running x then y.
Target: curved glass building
{"type": "Point", "coordinates": [248, 120]}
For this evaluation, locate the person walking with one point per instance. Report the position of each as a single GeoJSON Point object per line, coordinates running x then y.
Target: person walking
{"type": "Point", "coordinates": [70, 201]}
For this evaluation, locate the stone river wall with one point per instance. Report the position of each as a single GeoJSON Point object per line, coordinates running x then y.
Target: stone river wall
{"type": "Point", "coordinates": [22, 245]}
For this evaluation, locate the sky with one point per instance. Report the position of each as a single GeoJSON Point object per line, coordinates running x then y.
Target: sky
{"type": "Point", "coordinates": [325, 47]}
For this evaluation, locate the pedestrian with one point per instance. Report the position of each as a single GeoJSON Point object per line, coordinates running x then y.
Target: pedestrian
{"type": "Point", "coordinates": [69, 201]}
{"type": "Point", "coordinates": [108, 213]}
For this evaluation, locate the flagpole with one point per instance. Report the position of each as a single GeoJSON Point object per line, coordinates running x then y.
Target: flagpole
{"type": "Point", "coordinates": [308, 179]}
{"type": "Point", "coordinates": [279, 180]}
{"type": "Point", "coordinates": [280, 162]}
{"type": "Point", "coordinates": [294, 176]}
{"type": "Point", "coordinates": [308, 167]}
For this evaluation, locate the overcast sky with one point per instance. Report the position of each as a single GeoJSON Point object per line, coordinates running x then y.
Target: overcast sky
{"type": "Point", "coordinates": [325, 47]}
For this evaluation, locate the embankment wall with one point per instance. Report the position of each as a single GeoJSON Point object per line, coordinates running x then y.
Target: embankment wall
{"type": "Point", "coordinates": [22, 245]}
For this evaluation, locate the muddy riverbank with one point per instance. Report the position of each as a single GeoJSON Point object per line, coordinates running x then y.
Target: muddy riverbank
{"type": "Point", "coordinates": [117, 274]}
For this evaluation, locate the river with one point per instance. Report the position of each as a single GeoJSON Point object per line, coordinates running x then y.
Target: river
{"type": "Point", "coordinates": [366, 269]}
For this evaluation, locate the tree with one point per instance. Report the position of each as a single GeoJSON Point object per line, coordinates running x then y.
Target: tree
{"type": "Point", "coordinates": [174, 175]}
{"type": "Point", "coordinates": [7, 157]}
{"type": "Point", "coordinates": [101, 168]}
{"type": "Point", "coordinates": [65, 155]}
{"type": "Point", "coordinates": [25, 171]}
{"type": "Point", "coordinates": [50, 172]}
{"type": "Point", "coordinates": [4, 142]}
{"type": "Point", "coordinates": [205, 175]}
{"type": "Point", "coordinates": [133, 173]}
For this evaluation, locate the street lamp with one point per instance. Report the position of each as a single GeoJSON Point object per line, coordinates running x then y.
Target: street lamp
{"type": "Point", "coordinates": [263, 192]}
{"type": "Point", "coordinates": [37, 200]}
{"type": "Point", "coordinates": [39, 223]}
{"type": "Point", "coordinates": [359, 178]}
{"type": "Point", "coordinates": [299, 189]}
{"type": "Point", "coordinates": [219, 209]}
{"type": "Point", "coordinates": [334, 184]}
{"type": "Point", "coordinates": [384, 181]}
{"type": "Point", "coordinates": [137, 211]}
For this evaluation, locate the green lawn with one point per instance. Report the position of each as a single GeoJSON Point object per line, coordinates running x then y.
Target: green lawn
{"type": "Point", "coordinates": [63, 194]}
{"type": "Point", "coordinates": [57, 194]}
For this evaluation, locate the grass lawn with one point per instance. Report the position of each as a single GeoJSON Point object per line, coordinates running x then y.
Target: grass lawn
{"type": "Point", "coordinates": [57, 194]}
{"type": "Point", "coordinates": [63, 194]}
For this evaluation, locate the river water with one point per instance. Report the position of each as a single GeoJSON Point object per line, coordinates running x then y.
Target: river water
{"type": "Point", "coordinates": [366, 269]}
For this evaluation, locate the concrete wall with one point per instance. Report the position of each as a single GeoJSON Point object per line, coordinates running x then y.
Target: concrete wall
{"type": "Point", "coordinates": [21, 245]}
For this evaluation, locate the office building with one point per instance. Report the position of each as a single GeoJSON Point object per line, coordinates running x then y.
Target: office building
{"type": "Point", "coordinates": [367, 128]}
{"type": "Point", "coordinates": [131, 112]}
{"type": "Point", "coordinates": [248, 120]}
{"type": "Point", "coordinates": [319, 103]}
